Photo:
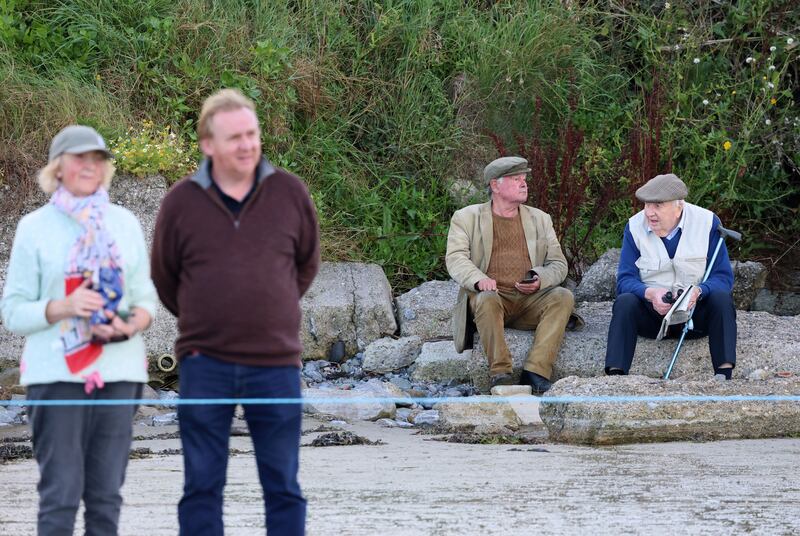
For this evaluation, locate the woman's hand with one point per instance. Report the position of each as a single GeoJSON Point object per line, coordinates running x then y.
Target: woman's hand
{"type": "Point", "coordinates": [119, 329]}
{"type": "Point", "coordinates": [82, 302]}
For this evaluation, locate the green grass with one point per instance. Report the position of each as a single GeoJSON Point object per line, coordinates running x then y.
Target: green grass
{"type": "Point", "coordinates": [379, 106]}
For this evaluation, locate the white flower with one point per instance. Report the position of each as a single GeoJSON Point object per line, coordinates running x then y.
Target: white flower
{"type": "Point", "coordinates": [770, 85]}
{"type": "Point", "coordinates": [771, 67]}
{"type": "Point", "coordinates": [789, 41]}
{"type": "Point", "coordinates": [705, 102]}
{"type": "Point", "coordinates": [749, 59]}
{"type": "Point", "coordinates": [696, 60]}
{"type": "Point", "coordinates": [677, 47]}
{"type": "Point", "coordinates": [773, 48]}
{"type": "Point", "coordinates": [767, 122]}
{"type": "Point", "coordinates": [667, 5]}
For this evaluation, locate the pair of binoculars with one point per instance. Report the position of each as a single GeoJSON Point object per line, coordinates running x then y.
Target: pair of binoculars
{"type": "Point", "coordinates": [669, 298]}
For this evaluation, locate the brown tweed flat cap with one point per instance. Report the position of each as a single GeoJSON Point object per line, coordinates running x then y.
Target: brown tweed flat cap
{"type": "Point", "coordinates": [662, 188]}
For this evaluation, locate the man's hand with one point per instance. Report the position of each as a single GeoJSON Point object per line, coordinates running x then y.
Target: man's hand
{"type": "Point", "coordinates": [528, 288]}
{"type": "Point", "coordinates": [694, 297]}
{"type": "Point", "coordinates": [487, 284]}
{"type": "Point", "coordinates": [654, 295]}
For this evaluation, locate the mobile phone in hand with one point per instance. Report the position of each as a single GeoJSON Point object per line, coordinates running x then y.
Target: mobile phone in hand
{"type": "Point", "coordinates": [530, 277]}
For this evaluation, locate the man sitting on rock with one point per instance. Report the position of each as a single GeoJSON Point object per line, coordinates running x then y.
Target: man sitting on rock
{"type": "Point", "coordinates": [508, 262]}
{"type": "Point", "coordinates": [665, 249]}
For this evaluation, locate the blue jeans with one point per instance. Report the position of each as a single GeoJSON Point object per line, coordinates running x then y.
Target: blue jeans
{"type": "Point", "coordinates": [205, 432]}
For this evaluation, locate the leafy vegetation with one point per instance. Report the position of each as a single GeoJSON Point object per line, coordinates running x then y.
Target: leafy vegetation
{"type": "Point", "coordinates": [382, 106]}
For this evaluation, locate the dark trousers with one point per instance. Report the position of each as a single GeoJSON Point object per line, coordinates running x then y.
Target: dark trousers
{"type": "Point", "coordinates": [715, 317]}
{"type": "Point", "coordinates": [205, 432]}
{"type": "Point", "coordinates": [82, 452]}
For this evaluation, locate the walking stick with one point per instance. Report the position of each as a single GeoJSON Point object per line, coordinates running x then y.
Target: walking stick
{"type": "Point", "coordinates": [723, 233]}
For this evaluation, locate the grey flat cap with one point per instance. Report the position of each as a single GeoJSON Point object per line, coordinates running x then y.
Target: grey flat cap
{"type": "Point", "coordinates": [508, 165]}
{"type": "Point", "coordinates": [77, 139]}
{"type": "Point", "coordinates": [662, 188]}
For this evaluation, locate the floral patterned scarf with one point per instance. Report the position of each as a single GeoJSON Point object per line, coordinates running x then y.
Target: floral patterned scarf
{"type": "Point", "coordinates": [94, 256]}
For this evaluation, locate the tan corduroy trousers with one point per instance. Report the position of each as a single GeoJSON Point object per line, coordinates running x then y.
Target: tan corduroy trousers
{"type": "Point", "coordinates": [546, 311]}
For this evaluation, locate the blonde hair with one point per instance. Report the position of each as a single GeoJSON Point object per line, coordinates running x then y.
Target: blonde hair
{"type": "Point", "coordinates": [48, 175]}
{"type": "Point", "coordinates": [224, 100]}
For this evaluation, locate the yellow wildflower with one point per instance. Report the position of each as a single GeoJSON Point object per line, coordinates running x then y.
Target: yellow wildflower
{"type": "Point", "coordinates": [773, 101]}
{"type": "Point", "coordinates": [727, 145]}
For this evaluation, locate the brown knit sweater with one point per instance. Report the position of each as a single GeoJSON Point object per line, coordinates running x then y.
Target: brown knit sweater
{"type": "Point", "coordinates": [509, 261]}
{"type": "Point", "coordinates": [235, 283]}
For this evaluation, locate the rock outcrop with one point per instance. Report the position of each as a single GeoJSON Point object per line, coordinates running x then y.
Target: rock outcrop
{"type": "Point", "coordinates": [388, 354]}
{"type": "Point", "coordinates": [599, 282]}
{"type": "Point", "coordinates": [425, 311]}
{"type": "Point", "coordinates": [749, 278]}
{"type": "Point", "coordinates": [439, 362]}
{"type": "Point", "coordinates": [609, 423]}
{"type": "Point", "coordinates": [349, 302]}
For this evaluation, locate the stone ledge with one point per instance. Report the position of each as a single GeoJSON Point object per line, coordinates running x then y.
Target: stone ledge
{"type": "Point", "coordinates": [764, 341]}
{"type": "Point", "coordinates": [606, 423]}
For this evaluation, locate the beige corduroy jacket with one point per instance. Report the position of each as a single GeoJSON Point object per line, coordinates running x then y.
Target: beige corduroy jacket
{"type": "Point", "coordinates": [469, 248]}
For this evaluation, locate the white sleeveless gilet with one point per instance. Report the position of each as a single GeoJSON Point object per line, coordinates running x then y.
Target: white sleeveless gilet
{"type": "Point", "coordinates": [688, 265]}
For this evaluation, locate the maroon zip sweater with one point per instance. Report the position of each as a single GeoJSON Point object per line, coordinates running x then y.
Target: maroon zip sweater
{"type": "Point", "coordinates": [235, 282]}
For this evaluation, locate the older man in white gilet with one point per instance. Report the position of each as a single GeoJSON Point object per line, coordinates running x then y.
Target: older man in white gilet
{"type": "Point", "coordinates": [665, 249]}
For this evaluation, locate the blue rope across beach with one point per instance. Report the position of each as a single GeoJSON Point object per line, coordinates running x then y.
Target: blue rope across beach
{"type": "Point", "coordinates": [320, 401]}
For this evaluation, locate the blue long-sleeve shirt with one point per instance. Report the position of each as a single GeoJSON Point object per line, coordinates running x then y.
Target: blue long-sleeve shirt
{"type": "Point", "coordinates": [629, 280]}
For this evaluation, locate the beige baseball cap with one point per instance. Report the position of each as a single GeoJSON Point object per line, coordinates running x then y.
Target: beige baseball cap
{"type": "Point", "coordinates": [77, 139]}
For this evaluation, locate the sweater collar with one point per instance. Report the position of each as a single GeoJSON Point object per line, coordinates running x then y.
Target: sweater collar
{"type": "Point", "coordinates": [203, 174]}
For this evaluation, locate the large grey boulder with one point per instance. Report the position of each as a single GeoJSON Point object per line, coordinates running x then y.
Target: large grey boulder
{"type": "Point", "coordinates": [748, 278]}
{"type": "Point", "coordinates": [388, 354]}
{"type": "Point", "coordinates": [608, 423]}
{"type": "Point", "coordinates": [439, 362]}
{"type": "Point", "coordinates": [349, 302]}
{"type": "Point", "coordinates": [425, 311]}
{"type": "Point", "coordinates": [599, 282]}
